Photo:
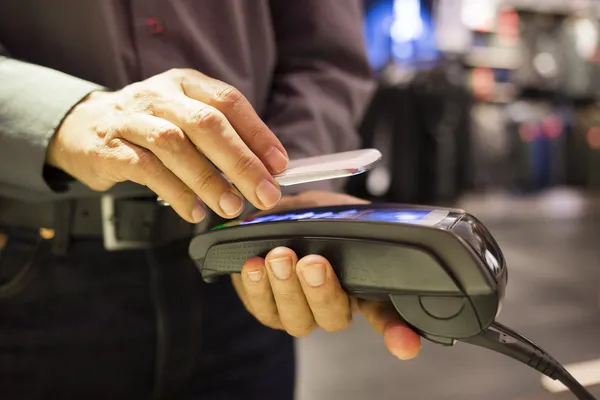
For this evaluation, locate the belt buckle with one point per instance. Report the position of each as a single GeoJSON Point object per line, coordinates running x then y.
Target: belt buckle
{"type": "Point", "coordinates": [109, 228]}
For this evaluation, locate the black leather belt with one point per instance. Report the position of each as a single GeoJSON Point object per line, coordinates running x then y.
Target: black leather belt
{"type": "Point", "coordinates": [122, 223]}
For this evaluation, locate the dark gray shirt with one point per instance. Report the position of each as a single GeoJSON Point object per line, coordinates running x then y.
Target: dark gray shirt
{"type": "Point", "coordinates": [301, 63]}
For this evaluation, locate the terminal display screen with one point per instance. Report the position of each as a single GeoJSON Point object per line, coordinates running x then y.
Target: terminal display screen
{"type": "Point", "coordinates": [414, 216]}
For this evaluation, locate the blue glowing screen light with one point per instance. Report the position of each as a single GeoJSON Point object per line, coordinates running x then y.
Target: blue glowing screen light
{"type": "Point", "coordinates": [377, 24]}
{"type": "Point", "coordinates": [401, 216]}
{"type": "Point", "coordinates": [386, 215]}
{"type": "Point", "coordinates": [399, 31]}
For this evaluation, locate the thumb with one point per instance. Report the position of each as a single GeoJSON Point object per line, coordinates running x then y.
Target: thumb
{"type": "Point", "coordinates": [400, 340]}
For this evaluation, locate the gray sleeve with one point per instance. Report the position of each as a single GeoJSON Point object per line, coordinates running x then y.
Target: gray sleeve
{"type": "Point", "coordinates": [33, 102]}
{"type": "Point", "coordinates": [322, 80]}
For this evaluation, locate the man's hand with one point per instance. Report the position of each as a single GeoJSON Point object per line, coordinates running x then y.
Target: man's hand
{"type": "Point", "coordinates": [168, 133]}
{"type": "Point", "coordinates": [299, 295]}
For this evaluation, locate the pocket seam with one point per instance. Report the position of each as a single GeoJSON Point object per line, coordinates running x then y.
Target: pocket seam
{"type": "Point", "coordinates": [17, 284]}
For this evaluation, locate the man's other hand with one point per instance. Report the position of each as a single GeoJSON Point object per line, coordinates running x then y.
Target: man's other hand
{"type": "Point", "coordinates": [300, 295]}
{"type": "Point", "coordinates": [174, 133]}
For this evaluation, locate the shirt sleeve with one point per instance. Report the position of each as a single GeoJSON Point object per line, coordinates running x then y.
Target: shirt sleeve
{"type": "Point", "coordinates": [322, 81]}
{"type": "Point", "coordinates": [33, 102]}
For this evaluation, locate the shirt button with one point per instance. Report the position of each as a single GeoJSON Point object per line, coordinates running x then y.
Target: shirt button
{"type": "Point", "coordinates": [155, 26]}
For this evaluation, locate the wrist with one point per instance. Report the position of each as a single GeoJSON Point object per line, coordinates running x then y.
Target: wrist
{"type": "Point", "coordinates": [56, 155]}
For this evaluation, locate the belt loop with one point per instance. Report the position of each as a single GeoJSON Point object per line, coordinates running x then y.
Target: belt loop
{"type": "Point", "coordinates": [63, 223]}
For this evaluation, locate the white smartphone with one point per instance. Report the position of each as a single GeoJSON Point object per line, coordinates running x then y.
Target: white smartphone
{"type": "Point", "coordinates": [330, 166]}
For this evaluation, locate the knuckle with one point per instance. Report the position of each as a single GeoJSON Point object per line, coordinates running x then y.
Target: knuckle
{"type": "Point", "coordinates": [145, 92]}
{"type": "Point", "coordinates": [290, 297]}
{"type": "Point", "coordinates": [109, 131]}
{"type": "Point", "coordinates": [246, 164]}
{"type": "Point", "coordinates": [183, 195]}
{"type": "Point", "coordinates": [186, 76]}
{"type": "Point", "coordinates": [228, 97]}
{"type": "Point", "coordinates": [205, 181]}
{"type": "Point", "coordinates": [146, 162]}
{"type": "Point", "coordinates": [181, 73]}
{"type": "Point", "coordinates": [175, 73]}
{"type": "Point", "coordinates": [146, 98]}
{"type": "Point", "coordinates": [257, 133]}
{"type": "Point", "coordinates": [168, 138]}
{"type": "Point", "coordinates": [133, 88]}
{"type": "Point", "coordinates": [181, 76]}
{"type": "Point", "coordinates": [208, 118]}
{"type": "Point", "coordinates": [104, 131]}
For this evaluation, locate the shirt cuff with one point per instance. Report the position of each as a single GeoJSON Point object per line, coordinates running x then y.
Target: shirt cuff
{"type": "Point", "coordinates": [34, 100]}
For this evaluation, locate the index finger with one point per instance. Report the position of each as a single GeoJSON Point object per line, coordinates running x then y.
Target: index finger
{"type": "Point", "coordinates": [241, 115]}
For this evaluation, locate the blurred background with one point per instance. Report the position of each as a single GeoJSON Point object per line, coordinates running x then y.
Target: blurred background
{"type": "Point", "coordinates": [492, 106]}
{"type": "Point", "coordinates": [482, 95]}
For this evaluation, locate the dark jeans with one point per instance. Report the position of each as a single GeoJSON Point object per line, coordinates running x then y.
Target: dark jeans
{"type": "Point", "coordinates": [129, 325]}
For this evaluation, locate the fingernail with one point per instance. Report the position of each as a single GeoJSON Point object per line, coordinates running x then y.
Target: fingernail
{"type": "Point", "coordinates": [230, 203]}
{"type": "Point", "coordinates": [276, 160]}
{"type": "Point", "coordinates": [281, 267]}
{"type": "Point", "coordinates": [199, 212]}
{"type": "Point", "coordinates": [255, 276]}
{"type": "Point", "coordinates": [403, 354]}
{"type": "Point", "coordinates": [268, 194]}
{"type": "Point", "coordinates": [314, 274]}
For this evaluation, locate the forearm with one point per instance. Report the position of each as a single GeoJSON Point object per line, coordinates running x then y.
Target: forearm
{"type": "Point", "coordinates": [33, 102]}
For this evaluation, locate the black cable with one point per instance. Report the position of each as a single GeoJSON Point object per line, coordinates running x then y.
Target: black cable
{"type": "Point", "coordinates": [575, 387]}
{"type": "Point", "coordinates": [510, 332]}
{"type": "Point", "coordinates": [504, 340]}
